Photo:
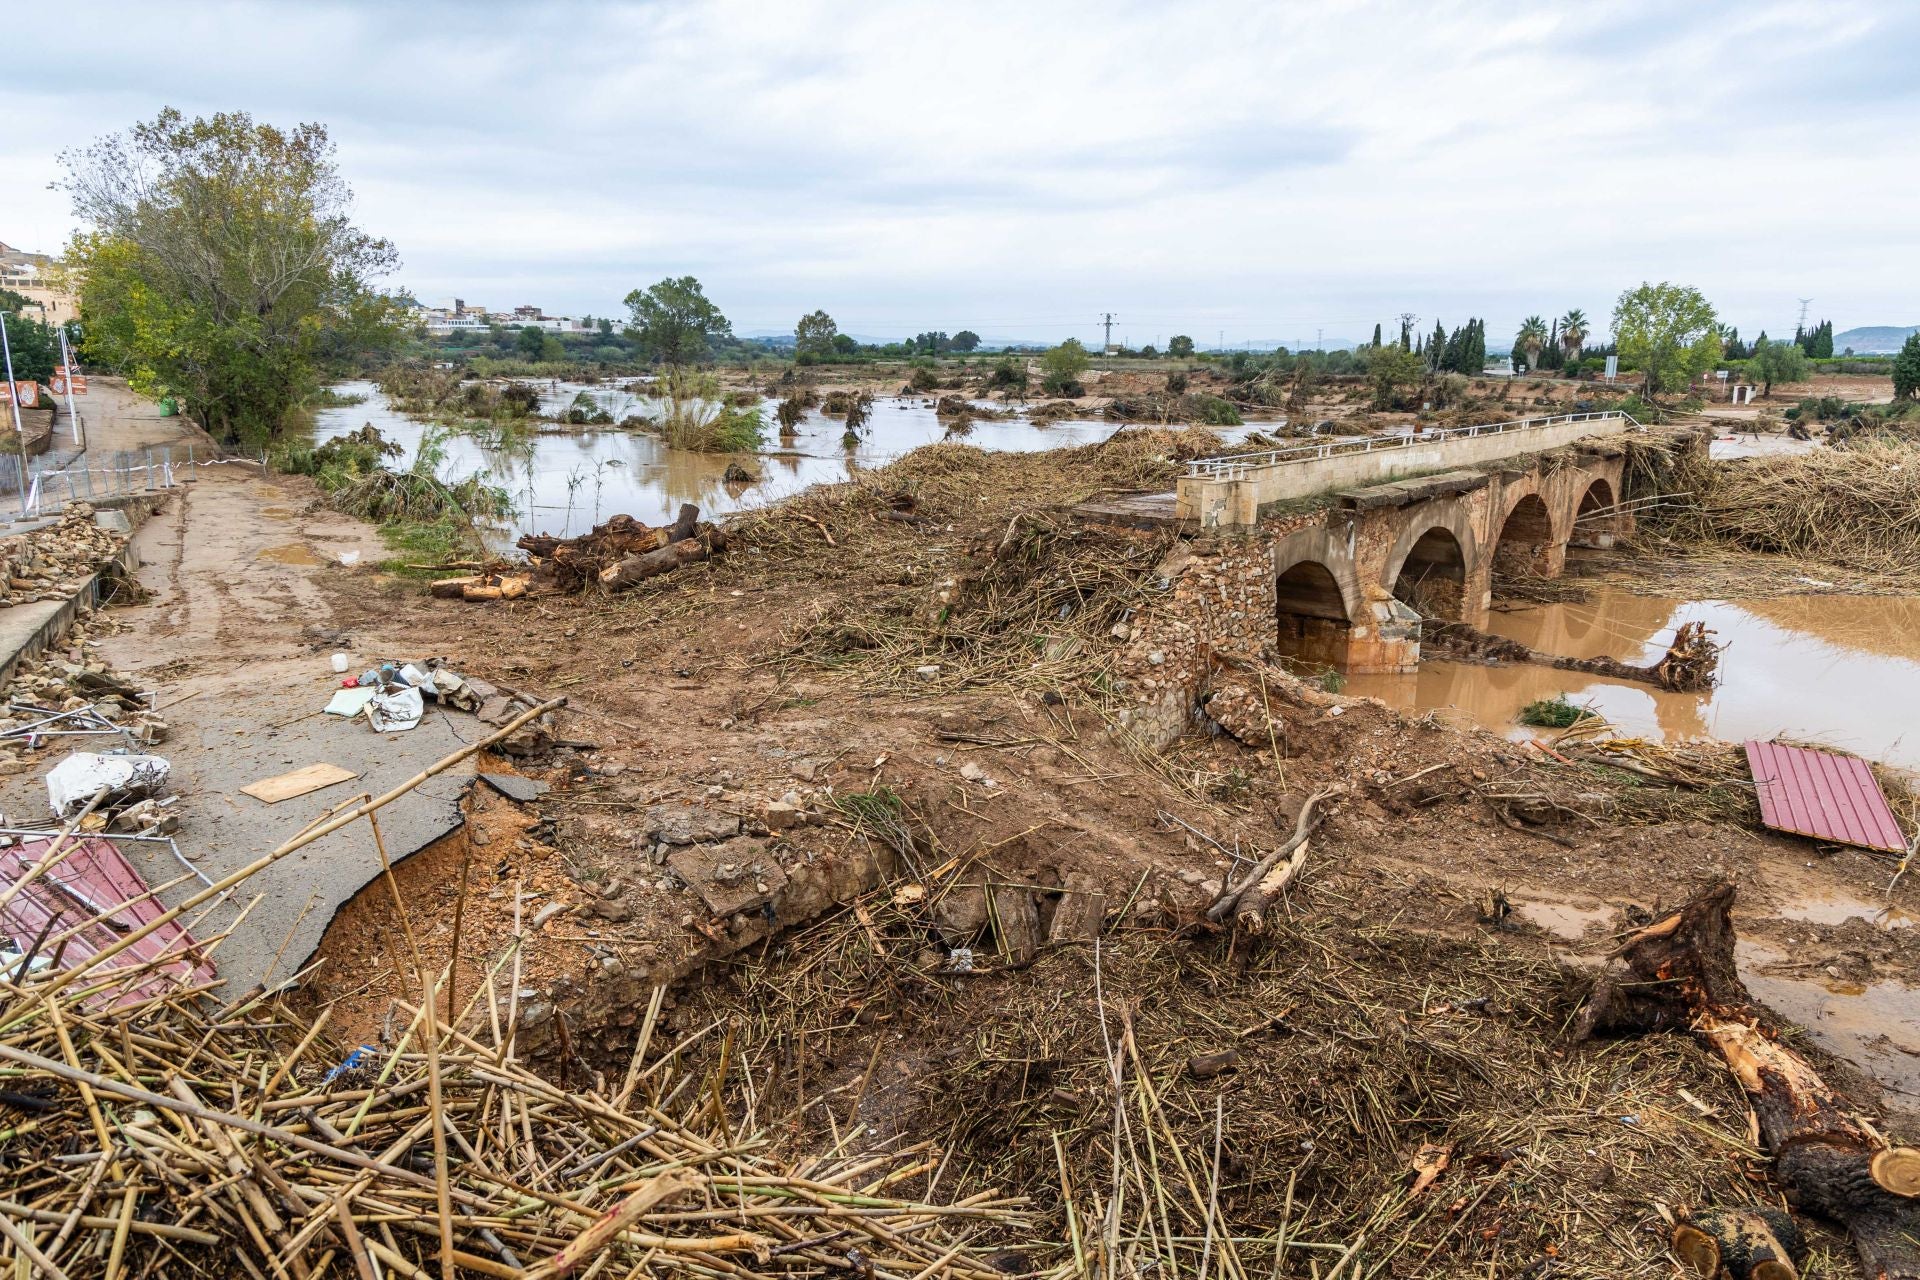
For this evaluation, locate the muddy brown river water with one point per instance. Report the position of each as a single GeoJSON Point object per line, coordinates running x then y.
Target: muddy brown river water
{"type": "Point", "coordinates": [1834, 669]}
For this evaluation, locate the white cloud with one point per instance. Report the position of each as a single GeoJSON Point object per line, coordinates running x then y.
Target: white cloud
{"type": "Point", "coordinates": [1267, 169]}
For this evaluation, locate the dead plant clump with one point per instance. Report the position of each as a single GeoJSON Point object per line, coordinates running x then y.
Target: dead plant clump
{"type": "Point", "coordinates": [1351, 1096]}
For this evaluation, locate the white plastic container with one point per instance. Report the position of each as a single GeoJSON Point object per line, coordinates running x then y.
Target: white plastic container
{"type": "Point", "coordinates": [340, 664]}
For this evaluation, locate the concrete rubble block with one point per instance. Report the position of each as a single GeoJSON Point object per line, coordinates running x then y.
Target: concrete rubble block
{"type": "Point", "coordinates": [781, 816]}
{"type": "Point", "coordinates": [1240, 711]}
{"type": "Point", "coordinates": [961, 913]}
{"type": "Point", "coordinates": [689, 824]}
{"type": "Point", "coordinates": [734, 876]}
{"type": "Point", "coordinates": [516, 788]}
{"type": "Point", "coordinates": [1081, 912]}
{"type": "Point", "coordinates": [1016, 923]}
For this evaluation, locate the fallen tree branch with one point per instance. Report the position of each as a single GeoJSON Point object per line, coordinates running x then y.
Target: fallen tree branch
{"type": "Point", "coordinates": [1229, 899]}
{"type": "Point", "coordinates": [1680, 972]}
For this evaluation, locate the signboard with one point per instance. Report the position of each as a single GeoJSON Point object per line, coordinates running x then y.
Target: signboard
{"type": "Point", "coordinates": [1613, 367]}
{"type": "Point", "coordinates": [27, 393]}
{"type": "Point", "coordinates": [61, 384]}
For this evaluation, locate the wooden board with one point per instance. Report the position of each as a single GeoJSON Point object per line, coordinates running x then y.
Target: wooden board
{"type": "Point", "coordinates": [297, 783]}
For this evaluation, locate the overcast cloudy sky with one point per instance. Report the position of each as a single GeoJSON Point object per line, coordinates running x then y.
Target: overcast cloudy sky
{"type": "Point", "coordinates": [1265, 169]}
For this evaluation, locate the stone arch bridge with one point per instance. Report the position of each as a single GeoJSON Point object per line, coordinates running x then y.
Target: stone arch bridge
{"type": "Point", "coordinates": [1350, 588]}
{"type": "Point", "coordinates": [1332, 553]}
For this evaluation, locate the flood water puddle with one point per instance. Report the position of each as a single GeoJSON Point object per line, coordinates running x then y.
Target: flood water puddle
{"type": "Point", "coordinates": [294, 553]}
{"type": "Point", "coordinates": [565, 480]}
{"type": "Point", "coordinates": [1838, 908]}
{"type": "Point", "coordinates": [1838, 670]}
{"type": "Point", "coordinates": [1876, 1026]}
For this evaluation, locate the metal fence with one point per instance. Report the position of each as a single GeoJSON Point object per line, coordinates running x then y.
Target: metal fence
{"type": "Point", "coordinates": [89, 478]}
{"type": "Point", "coordinates": [1231, 466]}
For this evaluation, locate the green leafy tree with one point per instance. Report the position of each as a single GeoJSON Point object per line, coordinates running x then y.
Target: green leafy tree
{"type": "Point", "coordinates": [1669, 332]}
{"type": "Point", "coordinates": [966, 340]}
{"type": "Point", "coordinates": [843, 344]}
{"type": "Point", "coordinates": [1531, 338]}
{"type": "Point", "coordinates": [813, 336]}
{"type": "Point", "coordinates": [532, 338]}
{"type": "Point", "coordinates": [1180, 346]}
{"type": "Point", "coordinates": [1061, 367]}
{"type": "Point", "coordinates": [218, 261]}
{"type": "Point", "coordinates": [36, 348]}
{"type": "Point", "coordinates": [1392, 370]}
{"type": "Point", "coordinates": [1437, 345]}
{"type": "Point", "coordinates": [1906, 369]}
{"type": "Point", "coordinates": [1820, 341]}
{"type": "Point", "coordinates": [1773, 362]}
{"type": "Point", "coordinates": [1376, 333]}
{"type": "Point", "coordinates": [674, 323]}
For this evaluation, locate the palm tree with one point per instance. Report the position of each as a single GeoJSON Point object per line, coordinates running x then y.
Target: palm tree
{"type": "Point", "coordinates": [1573, 332]}
{"type": "Point", "coordinates": [1532, 337]}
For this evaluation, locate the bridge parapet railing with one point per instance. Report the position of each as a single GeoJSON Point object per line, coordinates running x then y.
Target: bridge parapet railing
{"type": "Point", "coordinates": [1236, 466]}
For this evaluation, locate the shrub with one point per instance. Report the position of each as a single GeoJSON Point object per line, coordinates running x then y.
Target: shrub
{"type": "Point", "coordinates": [924, 379]}
{"type": "Point", "coordinates": [696, 417]}
{"type": "Point", "coordinates": [1215, 412]}
{"type": "Point", "coordinates": [1553, 713]}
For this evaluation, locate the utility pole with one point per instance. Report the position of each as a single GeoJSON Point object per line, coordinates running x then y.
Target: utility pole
{"type": "Point", "coordinates": [1802, 324]}
{"type": "Point", "coordinates": [1222, 344]}
{"type": "Point", "coordinates": [1108, 345]}
{"type": "Point", "coordinates": [1319, 338]}
{"type": "Point", "coordinates": [1407, 321]}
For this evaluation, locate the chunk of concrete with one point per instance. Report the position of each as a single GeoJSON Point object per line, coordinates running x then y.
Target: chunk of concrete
{"type": "Point", "coordinates": [516, 788]}
{"type": "Point", "coordinates": [689, 824]}
{"type": "Point", "coordinates": [961, 913]}
{"type": "Point", "coordinates": [733, 876]}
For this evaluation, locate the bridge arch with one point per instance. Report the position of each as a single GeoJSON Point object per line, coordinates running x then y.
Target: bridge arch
{"type": "Point", "coordinates": [1596, 520]}
{"type": "Point", "coordinates": [1433, 561]}
{"type": "Point", "coordinates": [1316, 599]}
{"type": "Point", "coordinates": [1524, 546]}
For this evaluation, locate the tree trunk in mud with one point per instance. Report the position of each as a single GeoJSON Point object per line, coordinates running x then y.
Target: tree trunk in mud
{"type": "Point", "coordinates": [1680, 973]}
{"type": "Point", "coordinates": [638, 568]}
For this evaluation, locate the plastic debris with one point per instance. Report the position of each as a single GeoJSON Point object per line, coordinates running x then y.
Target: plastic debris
{"type": "Point", "coordinates": [74, 780]}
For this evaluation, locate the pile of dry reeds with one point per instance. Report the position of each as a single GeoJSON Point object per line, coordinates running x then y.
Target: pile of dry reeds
{"type": "Point", "coordinates": [163, 1135]}
{"type": "Point", "coordinates": [1857, 506]}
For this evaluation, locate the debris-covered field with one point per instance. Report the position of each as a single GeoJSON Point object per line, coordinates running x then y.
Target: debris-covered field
{"type": "Point", "coordinates": [831, 928]}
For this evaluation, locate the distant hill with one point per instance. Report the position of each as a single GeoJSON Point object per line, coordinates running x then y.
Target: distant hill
{"type": "Point", "coordinates": [1874, 339]}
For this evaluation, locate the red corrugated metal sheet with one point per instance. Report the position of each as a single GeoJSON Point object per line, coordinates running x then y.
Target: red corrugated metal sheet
{"type": "Point", "coordinates": [1823, 795]}
{"type": "Point", "coordinates": [96, 878]}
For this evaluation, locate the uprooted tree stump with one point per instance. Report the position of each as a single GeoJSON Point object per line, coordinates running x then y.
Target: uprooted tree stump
{"type": "Point", "coordinates": [1680, 973]}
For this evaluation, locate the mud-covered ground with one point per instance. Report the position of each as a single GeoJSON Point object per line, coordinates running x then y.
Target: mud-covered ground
{"type": "Point", "coordinates": [850, 707]}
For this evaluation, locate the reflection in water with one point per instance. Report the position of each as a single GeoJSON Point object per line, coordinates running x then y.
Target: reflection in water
{"type": "Point", "coordinates": [564, 482]}
{"type": "Point", "coordinates": [1842, 670]}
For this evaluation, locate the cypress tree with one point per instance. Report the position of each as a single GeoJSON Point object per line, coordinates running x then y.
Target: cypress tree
{"type": "Point", "coordinates": [1376, 335]}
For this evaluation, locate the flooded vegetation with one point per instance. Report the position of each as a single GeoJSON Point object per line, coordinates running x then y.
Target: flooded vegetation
{"type": "Point", "coordinates": [565, 479]}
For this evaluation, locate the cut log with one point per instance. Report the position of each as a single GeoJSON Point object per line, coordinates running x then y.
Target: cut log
{"type": "Point", "coordinates": [453, 588]}
{"type": "Point", "coordinates": [1680, 972]}
{"type": "Point", "coordinates": [683, 527]}
{"type": "Point", "coordinates": [637, 569]}
{"type": "Point", "coordinates": [1746, 1244]}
